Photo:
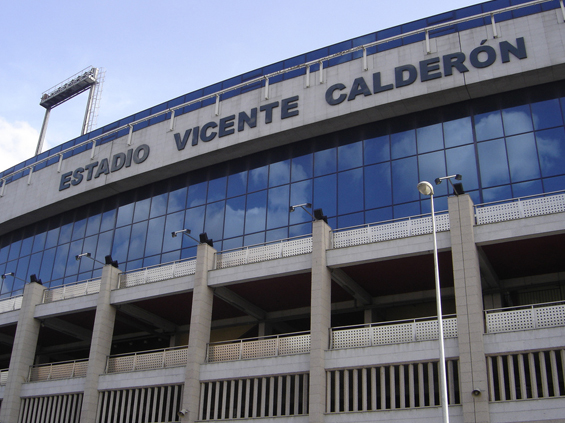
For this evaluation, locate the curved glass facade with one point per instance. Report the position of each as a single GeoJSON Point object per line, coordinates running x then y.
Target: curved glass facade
{"type": "Point", "coordinates": [505, 146]}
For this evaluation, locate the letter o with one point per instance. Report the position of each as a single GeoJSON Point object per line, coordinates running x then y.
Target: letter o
{"type": "Point", "coordinates": [474, 56]}
{"type": "Point", "coordinates": [140, 154]}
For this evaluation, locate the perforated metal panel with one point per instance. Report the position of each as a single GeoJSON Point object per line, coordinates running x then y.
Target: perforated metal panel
{"type": "Point", "coordinates": [10, 304]}
{"type": "Point", "coordinates": [3, 377]}
{"type": "Point", "coordinates": [78, 289]}
{"type": "Point", "coordinates": [508, 321]}
{"type": "Point", "coordinates": [146, 360]}
{"type": "Point", "coordinates": [157, 273]}
{"type": "Point", "coordinates": [51, 409]}
{"type": "Point", "coordinates": [294, 344]}
{"type": "Point", "coordinates": [351, 338]}
{"type": "Point", "coordinates": [224, 352]}
{"type": "Point", "coordinates": [520, 208]}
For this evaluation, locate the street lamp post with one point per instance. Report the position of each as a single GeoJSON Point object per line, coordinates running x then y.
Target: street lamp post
{"type": "Point", "coordinates": [426, 188]}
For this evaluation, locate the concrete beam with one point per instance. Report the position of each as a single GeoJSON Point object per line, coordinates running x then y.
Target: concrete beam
{"type": "Point", "coordinates": [240, 303]}
{"type": "Point", "coordinates": [148, 318]}
{"type": "Point", "coordinates": [352, 287]}
{"type": "Point", "coordinates": [68, 329]}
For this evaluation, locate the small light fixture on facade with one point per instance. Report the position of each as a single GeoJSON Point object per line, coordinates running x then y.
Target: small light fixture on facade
{"type": "Point", "coordinates": [318, 213]}
{"type": "Point", "coordinates": [457, 188]}
{"type": "Point", "coordinates": [78, 257]}
{"type": "Point", "coordinates": [12, 274]}
{"type": "Point", "coordinates": [203, 237]}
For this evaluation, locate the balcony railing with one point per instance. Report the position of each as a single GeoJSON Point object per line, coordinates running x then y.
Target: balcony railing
{"type": "Point", "coordinates": [77, 289]}
{"type": "Point", "coordinates": [391, 332]}
{"type": "Point", "coordinates": [269, 346]}
{"type": "Point", "coordinates": [270, 251]}
{"type": "Point", "coordinates": [11, 304]}
{"type": "Point", "coordinates": [147, 360]}
{"type": "Point", "coordinates": [518, 208]}
{"type": "Point", "coordinates": [3, 376]}
{"type": "Point", "coordinates": [56, 371]}
{"type": "Point", "coordinates": [536, 316]}
{"type": "Point", "coordinates": [390, 229]}
{"type": "Point", "coordinates": [159, 272]}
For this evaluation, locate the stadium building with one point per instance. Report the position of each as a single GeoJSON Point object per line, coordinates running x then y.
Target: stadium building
{"type": "Point", "coordinates": [259, 249]}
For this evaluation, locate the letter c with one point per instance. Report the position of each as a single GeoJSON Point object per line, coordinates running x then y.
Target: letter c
{"type": "Point", "coordinates": [330, 95]}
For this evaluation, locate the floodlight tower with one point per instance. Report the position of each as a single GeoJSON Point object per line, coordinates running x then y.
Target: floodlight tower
{"type": "Point", "coordinates": [90, 78]}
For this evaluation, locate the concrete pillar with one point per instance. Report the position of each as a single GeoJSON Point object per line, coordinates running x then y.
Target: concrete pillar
{"type": "Point", "coordinates": [469, 305]}
{"type": "Point", "coordinates": [199, 335]}
{"type": "Point", "coordinates": [101, 343]}
{"type": "Point", "coordinates": [23, 352]}
{"type": "Point", "coordinates": [320, 320]}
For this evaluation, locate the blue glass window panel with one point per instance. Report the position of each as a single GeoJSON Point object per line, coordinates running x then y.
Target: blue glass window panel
{"type": "Point", "coordinates": [34, 265]}
{"type": "Point", "coordinates": [278, 207]}
{"type": "Point", "coordinates": [405, 180]}
{"type": "Point", "coordinates": [159, 205]}
{"type": "Point", "coordinates": [258, 178]}
{"type": "Point", "coordinates": [26, 246]}
{"type": "Point", "coordinates": [406, 210]}
{"type": "Point", "coordinates": [190, 252]}
{"type": "Point", "coordinates": [108, 219]}
{"type": "Point", "coordinates": [517, 120]}
{"type": "Point", "coordinates": [554, 184]}
{"type": "Point", "coordinates": [349, 220]}
{"type": "Point", "coordinates": [21, 270]}
{"type": "Point", "coordinates": [325, 161]}
{"type": "Point", "coordinates": [254, 239]}
{"type": "Point", "coordinates": [15, 250]}
{"type": "Point", "coordinates": [196, 194]}
{"type": "Point", "coordinates": [155, 231]}
{"type": "Point", "coordinates": [217, 189]}
{"type": "Point", "coordinates": [350, 156]}
{"type": "Point", "coordinates": [551, 150]}
{"type": "Point", "coordinates": [4, 253]}
{"type": "Point", "coordinates": [547, 114]}
{"type": "Point", "coordinates": [89, 246]}
{"type": "Point", "coordinates": [378, 215]}
{"type": "Point", "coordinates": [302, 168]}
{"type": "Point", "coordinates": [493, 163]}
{"type": "Point", "coordinates": [302, 229]}
{"type": "Point", "coordinates": [403, 144]}
{"type": "Point", "coordinates": [133, 265]}
{"type": "Point", "coordinates": [47, 264]}
{"type": "Point", "coordinates": [125, 215]}
{"type": "Point", "coordinates": [233, 243]}
{"type": "Point", "coordinates": [60, 261]}
{"type": "Point", "coordinates": [430, 138]}
{"type": "Point", "coordinates": [432, 166]}
{"type": "Point", "coordinates": [256, 212]}
{"type": "Point", "coordinates": [522, 157]}
{"type": "Point", "coordinates": [488, 126]}
{"type": "Point", "coordinates": [172, 256]}
{"type": "Point", "coordinates": [524, 189]}
{"type": "Point", "coordinates": [377, 150]}
{"type": "Point", "coordinates": [215, 220]}
{"type": "Point", "coordinates": [237, 183]}
{"type": "Point", "coordinates": [300, 193]}
{"type": "Point", "coordinates": [93, 224]}
{"type": "Point", "coordinates": [141, 210]}
{"type": "Point", "coordinates": [276, 234]}
{"type": "Point", "coordinates": [279, 173]}
{"type": "Point", "coordinates": [378, 186]}
{"type": "Point", "coordinates": [350, 191]}
{"type": "Point", "coordinates": [104, 246]}
{"type": "Point", "coordinates": [120, 244]}
{"type": "Point", "coordinates": [325, 195]}
{"type": "Point", "coordinates": [151, 261]}
{"type": "Point", "coordinates": [194, 220]}
{"type": "Point", "coordinates": [462, 160]}
{"type": "Point", "coordinates": [562, 101]}
{"type": "Point", "coordinates": [137, 240]}
{"type": "Point", "coordinates": [177, 200]}
{"type": "Point", "coordinates": [235, 214]}
{"type": "Point", "coordinates": [174, 222]}
{"type": "Point", "coordinates": [440, 204]}
{"type": "Point", "coordinates": [497, 193]}
{"type": "Point", "coordinates": [72, 264]}
{"type": "Point", "coordinates": [56, 282]}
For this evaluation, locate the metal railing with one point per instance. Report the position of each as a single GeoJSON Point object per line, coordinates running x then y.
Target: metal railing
{"type": "Point", "coordinates": [385, 333]}
{"type": "Point", "coordinates": [11, 304]}
{"type": "Point", "coordinates": [518, 208]}
{"type": "Point", "coordinates": [287, 247]}
{"type": "Point", "coordinates": [267, 346]}
{"type": "Point", "coordinates": [56, 371]}
{"type": "Point", "coordinates": [147, 360]}
{"type": "Point", "coordinates": [72, 290]}
{"type": "Point", "coordinates": [389, 229]}
{"type": "Point", "coordinates": [535, 316]}
{"type": "Point", "coordinates": [170, 112]}
{"type": "Point", "coordinates": [158, 272]}
{"type": "Point", "coordinates": [3, 377]}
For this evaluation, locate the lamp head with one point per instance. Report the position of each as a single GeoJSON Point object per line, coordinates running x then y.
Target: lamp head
{"type": "Point", "coordinates": [426, 188]}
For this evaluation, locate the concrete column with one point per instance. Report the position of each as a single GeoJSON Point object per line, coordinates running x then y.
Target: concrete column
{"type": "Point", "coordinates": [101, 343]}
{"type": "Point", "coordinates": [469, 304]}
{"type": "Point", "coordinates": [199, 335]}
{"type": "Point", "coordinates": [320, 320]}
{"type": "Point", "coordinates": [23, 352]}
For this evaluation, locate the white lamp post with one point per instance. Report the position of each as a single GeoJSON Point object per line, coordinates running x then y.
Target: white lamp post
{"type": "Point", "coordinates": [426, 188]}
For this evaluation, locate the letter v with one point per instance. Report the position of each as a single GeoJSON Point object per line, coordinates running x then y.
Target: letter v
{"type": "Point", "coordinates": [182, 144]}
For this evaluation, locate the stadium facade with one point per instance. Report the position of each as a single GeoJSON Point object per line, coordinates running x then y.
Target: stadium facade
{"type": "Point", "coordinates": [258, 249]}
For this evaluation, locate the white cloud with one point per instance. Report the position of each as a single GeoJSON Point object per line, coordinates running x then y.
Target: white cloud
{"type": "Point", "coordinates": [18, 142]}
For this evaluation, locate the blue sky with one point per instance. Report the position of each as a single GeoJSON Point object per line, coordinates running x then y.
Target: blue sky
{"type": "Point", "coordinates": [155, 51]}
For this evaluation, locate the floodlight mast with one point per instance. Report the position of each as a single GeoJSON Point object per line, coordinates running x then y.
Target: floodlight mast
{"type": "Point", "coordinates": [87, 79]}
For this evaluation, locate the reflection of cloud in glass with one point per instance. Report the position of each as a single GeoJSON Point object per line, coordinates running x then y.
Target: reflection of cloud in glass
{"type": "Point", "coordinates": [493, 163]}
{"type": "Point", "coordinates": [234, 221]}
{"type": "Point", "coordinates": [255, 219]}
{"type": "Point", "coordinates": [458, 132]}
{"type": "Point", "coordinates": [279, 173]}
{"type": "Point", "coordinates": [551, 148]}
{"type": "Point", "coordinates": [403, 144]}
{"type": "Point", "coordinates": [522, 157]}
{"type": "Point", "coordinates": [350, 155]}
{"type": "Point", "coordinates": [324, 161]}
{"type": "Point", "coordinates": [258, 178]}
{"type": "Point", "coordinates": [214, 220]}
{"type": "Point", "coordinates": [516, 122]}
{"type": "Point", "coordinates": [488, 126]}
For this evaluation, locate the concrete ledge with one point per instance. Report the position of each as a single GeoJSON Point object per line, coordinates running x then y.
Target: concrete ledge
{"type": "Point", "coordinates": [170, 376]}
{"type": "Point", "coordinates": [153, 290]}
{"type": "Point", "coordinates": [53, 387]}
